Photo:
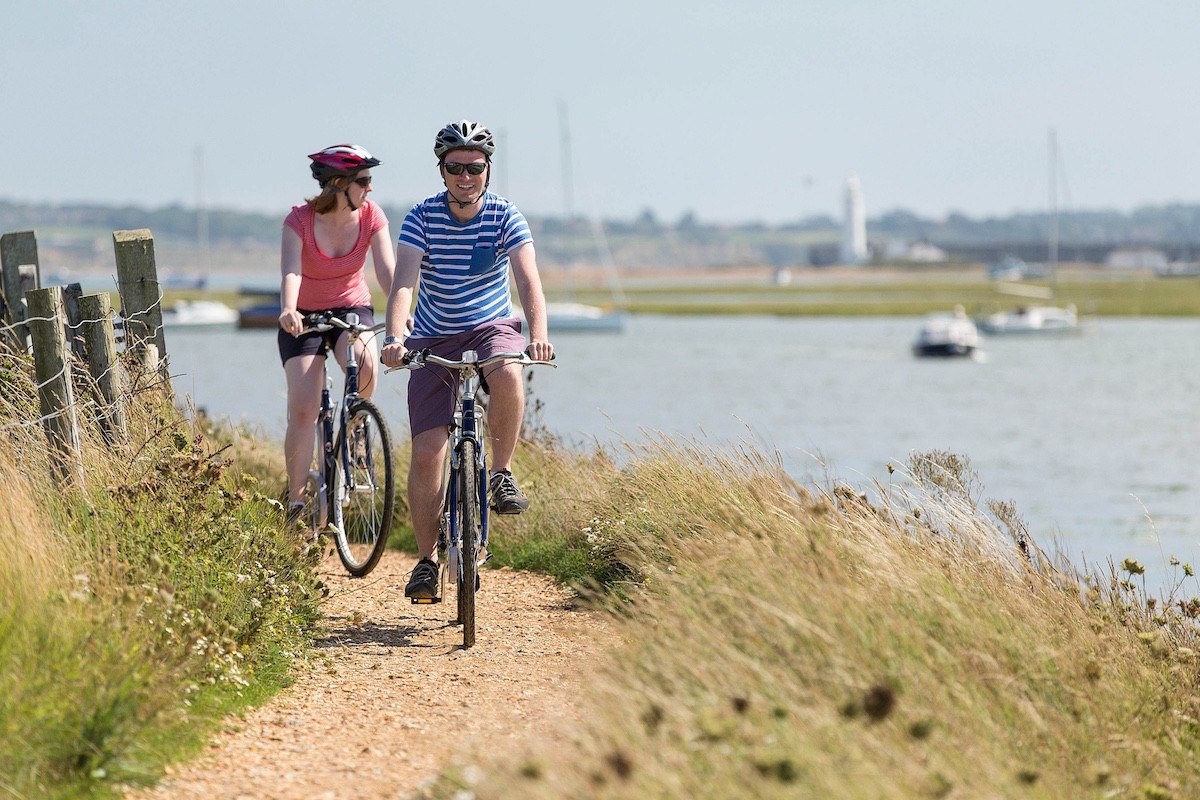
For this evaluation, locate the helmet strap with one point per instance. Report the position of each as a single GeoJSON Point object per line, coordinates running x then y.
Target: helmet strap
{"type": "Point", "coordinates": [349, 202]}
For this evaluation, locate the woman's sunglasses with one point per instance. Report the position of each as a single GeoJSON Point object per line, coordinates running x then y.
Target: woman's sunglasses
{"type": "Point", "coordinates": [364, 181]}
{"type": "Point", "coordinates": [457, 169]}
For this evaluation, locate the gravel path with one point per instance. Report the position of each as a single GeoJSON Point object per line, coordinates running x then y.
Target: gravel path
{"type": "Point", "coordinates": [392, 695]}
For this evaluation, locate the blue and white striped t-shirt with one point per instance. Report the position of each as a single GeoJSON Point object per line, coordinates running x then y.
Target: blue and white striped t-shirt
{"type": "Point", "coordinates": [464, 272]}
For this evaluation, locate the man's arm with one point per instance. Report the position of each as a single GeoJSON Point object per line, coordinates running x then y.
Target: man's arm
{"type": "Point", "coordinates": [408, 269]}
{"type": "Point", "coordinates": [523, 261]}
{"type": "Point", "coordinates": [384, 259]}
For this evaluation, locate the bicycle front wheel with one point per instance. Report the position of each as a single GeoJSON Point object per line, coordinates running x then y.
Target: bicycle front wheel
{"type": "Point", "coordinates": [468, 511]}
{"type": "Point", "coordinates": [364, 497]}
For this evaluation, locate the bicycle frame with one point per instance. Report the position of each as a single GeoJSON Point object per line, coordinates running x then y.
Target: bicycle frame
{"type": "Point", "coordinates": [339, 410]}
{"type": "Point", "coordinates": [467, 426]}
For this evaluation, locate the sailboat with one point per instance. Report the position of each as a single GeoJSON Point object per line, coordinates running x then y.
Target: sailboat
{"type": "Point", "coordinates": [1034, 318]}
{"type": "Point", "coordinates": [570, 316]}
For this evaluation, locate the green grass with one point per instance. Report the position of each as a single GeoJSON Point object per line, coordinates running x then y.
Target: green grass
{"type": "Point", "coordinates": [870, 295]}
{"type": "Point", "coordinates": [139, 611]}
{"type": "Point", "coordinates": [780, 642]}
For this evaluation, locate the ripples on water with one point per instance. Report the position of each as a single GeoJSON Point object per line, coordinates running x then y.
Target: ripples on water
{"type": "Point", "coordinates": [1091, 436]}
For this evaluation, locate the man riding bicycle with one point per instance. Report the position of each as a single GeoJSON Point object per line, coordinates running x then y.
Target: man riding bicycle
{"type": "Point", "coordinates": [460, 244]}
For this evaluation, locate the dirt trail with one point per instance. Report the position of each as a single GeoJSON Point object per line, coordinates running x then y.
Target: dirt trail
{"type": "Point", "coordinates": [392, 694]}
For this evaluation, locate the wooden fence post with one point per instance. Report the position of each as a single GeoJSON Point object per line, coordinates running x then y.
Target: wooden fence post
{"type": "Point", "coordinates": [17, 249]}
{"type": "Point", "coordinates": [137, 282]}
{"type": "Point", "coordinates": [53, 373]}
{"type": "Point", "coordinates": [141, 297]}
{"type": "Point", "coordinates": [71, 294]}
{"type": "Point", "coordinates": [100, 351]}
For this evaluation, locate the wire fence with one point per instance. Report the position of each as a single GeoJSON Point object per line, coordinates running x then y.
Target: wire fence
{"type": "Point", "coordinates": [70, 360]}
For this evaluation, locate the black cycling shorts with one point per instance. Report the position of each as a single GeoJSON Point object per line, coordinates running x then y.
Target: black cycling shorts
{"type": "Point", "coordinates": [317, 344]}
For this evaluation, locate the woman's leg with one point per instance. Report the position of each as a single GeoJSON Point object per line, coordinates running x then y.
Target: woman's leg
{"type": "Point", "coordinates": [368, 362]}
{"type": "Point", "coordinates": [304, 379]}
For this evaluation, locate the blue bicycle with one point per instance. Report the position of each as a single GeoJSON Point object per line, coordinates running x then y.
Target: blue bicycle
{"type": "Point", "coordinates": [463, 527]}
{"type": "Point", "coordinates": [352, 491]}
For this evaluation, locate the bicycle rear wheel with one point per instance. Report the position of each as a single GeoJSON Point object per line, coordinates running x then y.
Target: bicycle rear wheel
{"type": "Point", "coordinates": [469, 529]}
{"type": "Point", "coordinates": [362, 501]}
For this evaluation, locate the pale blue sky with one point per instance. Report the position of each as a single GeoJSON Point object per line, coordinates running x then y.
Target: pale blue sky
{"type": "Point", "coordinates": [739, 111]}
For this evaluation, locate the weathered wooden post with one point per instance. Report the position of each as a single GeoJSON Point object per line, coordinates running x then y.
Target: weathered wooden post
{"type": "Point", "coordinates": [54, 382]}
{"type": "Point", "coordinates": [17, 249]}
{"type": "Point", "coordinates": [141, 298]}
{"type": "Point", "coordinates": [100, 351]}
{"type": "Point", "coordinates": [71, 294]}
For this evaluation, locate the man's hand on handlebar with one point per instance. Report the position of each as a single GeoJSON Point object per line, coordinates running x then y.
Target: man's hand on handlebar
{"type": "Point", "coordinates": [540, 351]}
{"type": "Point", "coordinates": [392, 355]}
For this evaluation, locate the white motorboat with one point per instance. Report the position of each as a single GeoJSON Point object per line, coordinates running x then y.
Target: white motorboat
{"type": "Point", "coordinates": [198, 312]}
{"type": "Point", "coordinates": [947, 336]}
{"type": "Point", "coordinates": [581, 317]}
{"type": "Point", "coordinates": [1032, 319]}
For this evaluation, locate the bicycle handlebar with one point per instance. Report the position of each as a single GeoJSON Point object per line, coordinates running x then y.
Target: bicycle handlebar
{"type": "Point", "coordinates": [415, 359]}
{"type": "Point", "coordinates": [327, 322]}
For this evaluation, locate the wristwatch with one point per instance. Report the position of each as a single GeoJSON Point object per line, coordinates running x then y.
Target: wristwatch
{"type": "Point", "coordinates": [391, 340]}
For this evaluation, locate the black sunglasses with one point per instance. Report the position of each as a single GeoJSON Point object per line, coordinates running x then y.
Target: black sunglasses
{"type": "Point", "coordinates": [457, 169]}
{"type": "Point", "coordinates": [364, 181]}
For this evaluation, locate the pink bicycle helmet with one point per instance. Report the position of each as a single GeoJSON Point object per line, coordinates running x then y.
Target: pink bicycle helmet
{"type": "Point", "coordinates": [340, 159]}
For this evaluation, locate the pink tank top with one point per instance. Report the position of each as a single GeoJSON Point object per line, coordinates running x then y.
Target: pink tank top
{"type": "Point", "coordinates": [334, 282]}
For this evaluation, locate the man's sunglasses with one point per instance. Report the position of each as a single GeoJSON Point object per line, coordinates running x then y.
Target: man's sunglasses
{"type": "Point", "coordinates": [364, 181]}
{"type": "Point", "coordinates": [457, 169]}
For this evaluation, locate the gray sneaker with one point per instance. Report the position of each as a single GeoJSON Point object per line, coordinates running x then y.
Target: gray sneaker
{"type": "Point", "coordinates": [506, 495]}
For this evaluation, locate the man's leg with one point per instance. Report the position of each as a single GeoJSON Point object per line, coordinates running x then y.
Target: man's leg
{"type": "Point", "coordinates": [425, 497]}
{"type": "Point", "coordinates": [506, 410]}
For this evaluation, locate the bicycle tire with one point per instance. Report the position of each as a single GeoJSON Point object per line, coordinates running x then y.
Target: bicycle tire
{"type": "Point", "coordinates": [468, 526]}
{"type": "Point", "coordinates": [362, 507]}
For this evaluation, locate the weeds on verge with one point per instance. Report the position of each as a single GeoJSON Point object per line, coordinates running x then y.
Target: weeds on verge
{"type": "Point", "coordinates": [135, 610]}
{"type": "Point", "coordinates": [784, 642]}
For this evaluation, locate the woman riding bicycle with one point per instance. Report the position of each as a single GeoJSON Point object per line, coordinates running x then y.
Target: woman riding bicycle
{"type": "Point", "coordinates": [322, 260]}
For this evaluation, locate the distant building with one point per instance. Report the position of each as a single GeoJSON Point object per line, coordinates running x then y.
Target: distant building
{"type": "Point", "coordinates": [1137, 258]}
{"type": "Point", "coordinates": [854, 231]}
{"type": "Point", "coordinates": [905, 250]}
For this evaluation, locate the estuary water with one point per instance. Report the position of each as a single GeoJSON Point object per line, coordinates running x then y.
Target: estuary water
{"type": "Point", "coordinates": [1093, 437]}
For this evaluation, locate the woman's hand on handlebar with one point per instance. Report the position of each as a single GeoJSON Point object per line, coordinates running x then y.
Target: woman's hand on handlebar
{"type": "Point", "coordinates": [540, 351]}
{"type": "Point", "coordinates": [290, 321]}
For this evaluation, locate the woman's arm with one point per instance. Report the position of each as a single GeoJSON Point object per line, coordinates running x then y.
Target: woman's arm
{"type": "Point", "coordinates": [289, 288]}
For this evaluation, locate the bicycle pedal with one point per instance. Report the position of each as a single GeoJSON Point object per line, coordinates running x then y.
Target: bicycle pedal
{"type": "Point", "coordinates": [425, 601]}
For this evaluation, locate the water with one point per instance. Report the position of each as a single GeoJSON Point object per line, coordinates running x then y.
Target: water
{"type": "Point", "coordinates": [1093, 437]}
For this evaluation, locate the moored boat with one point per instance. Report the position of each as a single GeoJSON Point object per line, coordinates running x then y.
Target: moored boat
{"type": "Point", "coordinates": [1032, 320]}
{"type": "Point", "coordinates": [947, 336]}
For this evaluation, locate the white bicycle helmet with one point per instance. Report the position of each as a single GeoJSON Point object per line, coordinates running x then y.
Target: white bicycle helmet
{"type": "Point", "coordinates": [464, 135]}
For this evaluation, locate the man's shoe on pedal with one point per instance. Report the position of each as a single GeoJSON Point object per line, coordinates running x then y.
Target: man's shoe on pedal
{"type": "Point", "coordinates": [506, 495]}
{"type": "Point", "coordinates": [423, 585]}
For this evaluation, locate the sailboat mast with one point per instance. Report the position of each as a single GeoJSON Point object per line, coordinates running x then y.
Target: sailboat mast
{"type": "Point", "coordinates": [202, 239]}
{"type": "Point", "coordinates": [1053, 184]}
{"type": "Point", "coordinates": [564, 130]}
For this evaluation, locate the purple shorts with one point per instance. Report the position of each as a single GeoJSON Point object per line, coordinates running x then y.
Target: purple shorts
{"type": "Point", "coordinates": [317, 344]}
{"type": "Point", "coordinates": [432, 390]}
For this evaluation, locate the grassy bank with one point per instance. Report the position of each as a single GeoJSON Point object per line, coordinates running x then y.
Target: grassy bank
{"type": "Point", "coordinates": [135, 611]}
{"type": "Point", "coordinates": [901, 295]}
{"type": "Point", "coordinates": [873, 293]}
{"type": "Point", "coordinates": [785, 643]}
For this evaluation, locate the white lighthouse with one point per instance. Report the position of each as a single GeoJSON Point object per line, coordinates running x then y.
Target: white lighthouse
{"type": "Point", "coordinates": [854, 231]}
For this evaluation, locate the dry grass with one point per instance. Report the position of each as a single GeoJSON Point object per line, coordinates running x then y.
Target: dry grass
{"type": "Point", "coordinates": [137, 607]}
{"type": "Point", "coordinates": [788, 643]}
